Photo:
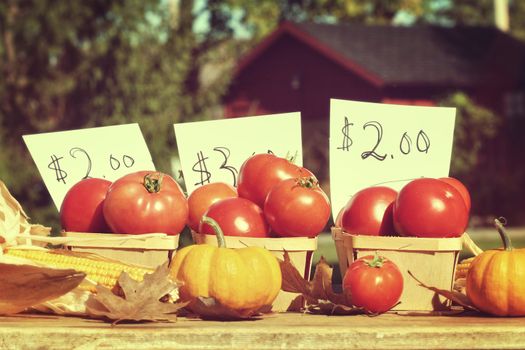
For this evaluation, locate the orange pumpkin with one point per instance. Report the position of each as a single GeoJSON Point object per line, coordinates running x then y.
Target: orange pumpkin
{"type": "Point", "coordinates": [244, 279]}
{"type": "Point", "coordinates": [496, 279]}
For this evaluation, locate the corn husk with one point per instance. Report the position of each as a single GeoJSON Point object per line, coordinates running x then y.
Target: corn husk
{"type": "Point", "coordinates": [15, 227]}
{"type": "Point", "coordinates": [24, 286]}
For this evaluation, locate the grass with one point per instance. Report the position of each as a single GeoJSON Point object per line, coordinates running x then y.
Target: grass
{"type": "Point", "coordinates": [485, 238]}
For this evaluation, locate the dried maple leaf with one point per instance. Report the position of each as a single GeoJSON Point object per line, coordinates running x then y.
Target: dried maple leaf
{"type": "Point", "coordinates": [456, 297]}
{"type": "Point", "coordinates": [140, 301]}
{"type": "Point", "coordinates": [23, 286]}
{"type": "Point", "coordinates": [318, 293]}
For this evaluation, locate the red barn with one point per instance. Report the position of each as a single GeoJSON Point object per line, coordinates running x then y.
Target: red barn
{"type": "Point", "coordinates": [300, 66]}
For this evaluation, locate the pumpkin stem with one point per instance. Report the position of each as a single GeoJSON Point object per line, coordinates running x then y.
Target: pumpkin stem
{"type": "Point", "coordinates": [153, 181]}
{"type": "Point", "coordinates": [376, 262]}
{"type": "Point", "coordinates": [221, 242]}
{"type": "Point", "coordinates": [499, 223]}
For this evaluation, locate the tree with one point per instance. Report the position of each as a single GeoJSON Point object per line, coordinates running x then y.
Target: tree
{"type": "Point", "coordinates": [80, 64]}
{"type": "Point", "coordinates": [475, 126]}
{"type": "Point", "coordinates": [260, 17]}
{"type": "Point", "coordinates": [471, 13]}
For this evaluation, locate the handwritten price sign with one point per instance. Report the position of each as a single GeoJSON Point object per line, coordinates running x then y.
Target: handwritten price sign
{"type": "Point", "coordinates": [381, 144]}
{"type": "Point", "coordinates": [213, 151]}
{"type": "Point", "coordinates": [66, 157]}
{"type": "Point", "coordinates": [201, 168]}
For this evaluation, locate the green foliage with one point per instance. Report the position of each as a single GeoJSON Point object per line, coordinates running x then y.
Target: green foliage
{"type": "Point", "coordinates": [260, 17]}
{"type": "Point", "coordinates": [470, 12]}
{"type": "Point", "coordinates": [475, 126]}
{"type": "Point", "coordinates": [76, 64]}
{"type": "Point", "coordinates": [483, 153]}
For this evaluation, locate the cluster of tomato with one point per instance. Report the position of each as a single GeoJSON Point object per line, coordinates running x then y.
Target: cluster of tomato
{"type": "Point", "coordinates": [274, 197]}
{"type": "Point", "coordinates": [139, 202]}
{"type": "Point", "coordinates": [425, 207]}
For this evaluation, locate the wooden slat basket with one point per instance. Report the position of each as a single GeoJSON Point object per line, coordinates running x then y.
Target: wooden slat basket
{"type": "Point", "coordinates": [431, 260]}
{"type": "Point", "coordinates": [148, 250]}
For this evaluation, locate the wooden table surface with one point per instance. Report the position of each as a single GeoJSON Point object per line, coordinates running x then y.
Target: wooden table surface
{"type": "Point", "coordinates": [276, 331]}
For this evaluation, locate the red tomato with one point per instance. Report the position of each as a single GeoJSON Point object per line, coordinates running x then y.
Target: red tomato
{"type": "Point", "coordinates": [81, 209]}
{"type": "Point", "coordinates": [202, 197]}
{"type": "Point", "coordinates": [146, 202]}
{"type": "Point", "coordinates": [430, 208]}
{"type": "Point", "coordinates": [297, 208]}
{"type": "Point", "coordinates": [236, 217]}
{"type": "Point", "coordinates": [260, 172]}
{"type": "Point", "coordinates": [462, 189]}
{"type": "Point", "coordinates": [373, 283]}
{"type": "Point", "coordinates": [369, 212]}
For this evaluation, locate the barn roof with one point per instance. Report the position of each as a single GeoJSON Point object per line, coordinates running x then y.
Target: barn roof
{"type": "Point", "coordinates": [415, 55]}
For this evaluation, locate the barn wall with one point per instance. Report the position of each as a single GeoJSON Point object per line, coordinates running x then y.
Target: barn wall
{"type": "Point", "coordinates": [291, 76]}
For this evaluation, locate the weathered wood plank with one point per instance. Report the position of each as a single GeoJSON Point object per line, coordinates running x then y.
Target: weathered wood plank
{"type": "Point", "coordinates": [278, 331]}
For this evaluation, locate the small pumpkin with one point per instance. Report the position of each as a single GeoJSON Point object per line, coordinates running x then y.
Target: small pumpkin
{"type": "Point", "coordinates": [495, 279]}
{"type": "Point", "coordinates": [243, 279]}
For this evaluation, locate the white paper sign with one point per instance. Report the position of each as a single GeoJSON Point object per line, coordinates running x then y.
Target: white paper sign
{"type": "Point", "coordinates": [384, 144]}
{"type": "Point", "coordinates": [63, 158]}
{"type": "Point", "coordinates": [213, 151]}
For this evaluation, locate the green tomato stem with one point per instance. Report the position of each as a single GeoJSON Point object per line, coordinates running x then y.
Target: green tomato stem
{"type": "Point", "coordinates": [499, 223]}
{"type": "Point", "coordinates": [291, 158]}
{"type": "Point", "coordinates": [376, 262]}
{"type": "Point", "coordinates": [221, 242]}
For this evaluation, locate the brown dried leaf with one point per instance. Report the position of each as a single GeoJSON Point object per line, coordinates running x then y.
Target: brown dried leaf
{"type": "Point", "coordinates": [456, 297]}
{"type": "Point", "coordinates": [322, 284]}
{"type": "Point", "coordinates": [141, 301]}
{"type": "Point", "coordinates": [329, 308]}
{"type": "Point", "coordinates": [292, 280]}
{"type": "Point", "coordinates": [23, 286]}
{"type": "Point", "coordinates": [297, 304]}
{"type": "Point", "coordinates": [211, 309]}
{"type": "Point", "coordinates": [318, 293]}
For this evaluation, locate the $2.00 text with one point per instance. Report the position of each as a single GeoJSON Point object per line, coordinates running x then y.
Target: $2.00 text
{"type": "Point", "coordinates": [422, 143]}
{"type": "Point", "coordinates": [79, 153]}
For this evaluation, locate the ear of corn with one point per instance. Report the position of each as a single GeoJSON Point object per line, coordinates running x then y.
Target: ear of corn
{"type": "Point", "coordinates": [462, 268]}
{"type": "Point", "coordinates": [97, 269]}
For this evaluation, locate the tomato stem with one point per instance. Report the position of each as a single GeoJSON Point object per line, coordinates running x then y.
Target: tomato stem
{"type": "Point", "coordinates": [153, 182]}
{"type": "Point", "coordinates": [221, 242]}
{"type": "Point", "coordinates": [307, 182]}
{"type": "Point", "coordinates": [291, 158]}
{"type": "Point", "coordinates": [499, 223]}
{"type": "Point", "coordinates": [376, 262]}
